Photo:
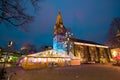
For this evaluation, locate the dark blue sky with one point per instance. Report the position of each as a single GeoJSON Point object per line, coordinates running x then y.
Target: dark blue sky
{"type": "Point", "coordinates": [88, 19]}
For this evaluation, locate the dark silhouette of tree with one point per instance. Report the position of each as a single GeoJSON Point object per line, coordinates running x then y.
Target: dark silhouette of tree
{"type": "Point", "coordinates": [113, 35]}
{"type": "Point", "coordinates": [44, 48]}
{"type": "Point", "coordinates": [28, 48]}
{"type": "Point", "coordinates": [69, 30]}
{"type": "Point", "coordinates": [13, 11]}
{"type": "Point", "coordinates": [1, 52]}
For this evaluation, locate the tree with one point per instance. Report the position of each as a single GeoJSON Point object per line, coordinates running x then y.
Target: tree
{"type": "Point", "coordinates": [13, 11]}
{"type": "Point", "coordinates": [112, 39]}
{"type": "Point", "coordinates": [1, 52]}
{"type": "Point", "coordinates": [28, 48]}
{"type": "Point", "coordinates": [44, 48]}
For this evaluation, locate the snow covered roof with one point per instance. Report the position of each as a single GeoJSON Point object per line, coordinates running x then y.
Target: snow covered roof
{"type": "Point", "coordinates": [49, 53]}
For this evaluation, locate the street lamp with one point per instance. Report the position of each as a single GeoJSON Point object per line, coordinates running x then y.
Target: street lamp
{"type": "Point", "coordinates": [10, 43]}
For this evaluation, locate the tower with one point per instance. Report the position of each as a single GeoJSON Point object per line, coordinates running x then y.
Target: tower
{"type": "Point", "coordinates": [59, 34]}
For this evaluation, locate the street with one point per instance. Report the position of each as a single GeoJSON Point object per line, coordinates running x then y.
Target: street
{"type": "Point", "coordinates": [82, 72]}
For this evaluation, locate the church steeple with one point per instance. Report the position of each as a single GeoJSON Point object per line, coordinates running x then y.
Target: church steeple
{"type": "Point", "coordinates": [59, 34]}
{"type": "Point", "coordinates": [59, 27]}
{"type": "Point", "coordinates": [59, 19]}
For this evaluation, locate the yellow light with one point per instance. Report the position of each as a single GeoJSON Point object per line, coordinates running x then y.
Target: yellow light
{"type": "Point", "coordinates": [39, 59]}
{"type": "Point", "coordinates": [114, 53]}
{"type": "Point", "coordinates": [78, 43]}
{"type": "Point", "coordinates": [44, 60]}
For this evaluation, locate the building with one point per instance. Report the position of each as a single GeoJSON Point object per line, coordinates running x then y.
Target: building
{"type": "Point", "coordinates": [67, 50]}
{"type": "Point", "coordinates": [89, 51]}
{"type": "Point", "coordinates": [86, 51]}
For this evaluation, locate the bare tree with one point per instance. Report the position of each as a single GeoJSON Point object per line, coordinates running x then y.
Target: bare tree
{"type": "Point", "coordinates": [1, 52]}
{"type": "Point", "coordinates": [13, 11]}
{"type": "Point", "coordinates": [112, 39]}
{"type": "Point", "coordinates": [45, 47]}
{"type": "Point", "coordinates": [28, 48]}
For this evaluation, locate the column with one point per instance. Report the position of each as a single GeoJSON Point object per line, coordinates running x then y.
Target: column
{"type": "Point", "coordinates": [98, 54]}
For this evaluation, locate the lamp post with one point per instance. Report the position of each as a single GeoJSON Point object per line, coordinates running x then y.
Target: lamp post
{"type": "Point", "coordinates": [10, 43]}
{"type": "Point", "coordinates": [6, 59]}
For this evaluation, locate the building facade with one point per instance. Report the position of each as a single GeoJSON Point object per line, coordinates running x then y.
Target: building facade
{"type": "Point", "coordinates": [89, 51]}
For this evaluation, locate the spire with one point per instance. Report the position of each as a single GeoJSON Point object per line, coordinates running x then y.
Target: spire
{"type": "Point", "coordinates": [59, 27]}
{"type": "Point", "coordinates": [59, 19]}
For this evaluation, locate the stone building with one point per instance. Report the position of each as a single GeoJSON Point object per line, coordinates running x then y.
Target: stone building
{"type": "Point", "coordinates": [89, 51]}
{"type": "Point", "coordinates": [86, 51]}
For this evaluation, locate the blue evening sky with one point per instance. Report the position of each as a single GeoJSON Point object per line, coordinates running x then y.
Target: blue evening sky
{"type": "Point", "coordinates": [88, 19]}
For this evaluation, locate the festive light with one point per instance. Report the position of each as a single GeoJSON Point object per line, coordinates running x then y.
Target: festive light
{"type": "Point", "coordinates": [117, 57]}
{"type": "Point", "coordinates": [90, 44]}
{"type": "Point", "coordinates": [114, 53]}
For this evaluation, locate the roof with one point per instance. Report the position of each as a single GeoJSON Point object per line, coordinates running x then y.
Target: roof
{"type": "Point", "coordinates": [49, 53]}
{"type": "Point", "coordinates": [59, 28]}
{"type": "Point", "coordinates": [59, 19]}
{"type": "Point", "coordinates": [86, 42]}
